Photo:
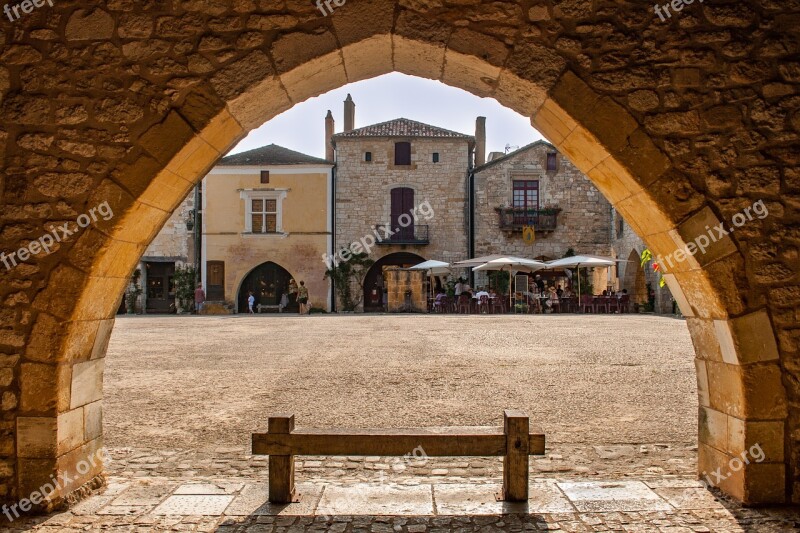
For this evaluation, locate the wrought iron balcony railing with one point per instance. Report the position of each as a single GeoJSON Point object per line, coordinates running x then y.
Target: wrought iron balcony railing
{"type": "Point", "coordinates": [413, 234]}
{"type": "Point", "coordinates": [514, 218]}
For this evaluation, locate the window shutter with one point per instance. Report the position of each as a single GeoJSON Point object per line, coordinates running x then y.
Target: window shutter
{"type": "Point", "coordinates": [265, 176]}
{"type": "Point", "coordinates": [402, 153]}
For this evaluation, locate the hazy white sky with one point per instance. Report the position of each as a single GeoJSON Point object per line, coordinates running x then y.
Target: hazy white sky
{"type": "Point", "coordinates": [387, 97]}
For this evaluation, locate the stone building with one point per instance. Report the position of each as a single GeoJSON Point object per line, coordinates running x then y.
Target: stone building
{"type": "Point", "coordinates": [266, 221]}
{"type": "Point", "coordinates": [176, 245]}
{"type": "Point", "coordinates": [538, 187]}
{"type": "Point", "coordinates": [391, 172]}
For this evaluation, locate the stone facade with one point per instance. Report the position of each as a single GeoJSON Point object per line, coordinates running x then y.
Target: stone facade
{"type": "Point", "coordinates": [680, 124]}
{"type": "Point", "coordinates": [363, 193]}
{"type": "Point", "coordinates": [583, 222]}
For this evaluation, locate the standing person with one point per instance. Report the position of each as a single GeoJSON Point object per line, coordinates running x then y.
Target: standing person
{"type": "Point", "coordinates": [459, 288]}
{"type": "Point", "coordinates": [292, 292]}
{"type": "Point", "coordinates": [302, 298]}
{"type": "Point", "coordinates": [251, 300]}
{"type": "Point", "coordinates": [199, 298]}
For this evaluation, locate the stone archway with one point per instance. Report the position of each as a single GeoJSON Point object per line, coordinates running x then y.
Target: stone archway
{"type": "Point", "coordinates": [150, 99]}
{"type": "Point", "coordinates": [634, 279]}
{"type": "Point", "coordinates": [267, 281]}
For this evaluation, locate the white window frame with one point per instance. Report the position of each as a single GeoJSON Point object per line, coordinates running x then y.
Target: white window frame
{"type": "Point", "coordinates": [248, 195]}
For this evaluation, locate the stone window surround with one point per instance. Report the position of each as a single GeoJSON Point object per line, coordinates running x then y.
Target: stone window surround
{"type": "Point", "coordinates": [515, 175]}
{"type": "Point", "coordinates": [247, 195]}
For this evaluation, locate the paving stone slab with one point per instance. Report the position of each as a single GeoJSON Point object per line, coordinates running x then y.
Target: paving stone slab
{"type": "Point", "coordinates": [689, 498]}
{"type": "Point", "coordinates": [142, 493]}
{"type": "Point", "coordinates": [373, 499]}
{"type": "Point", "coordinates": [610, 496]}
{"type": "Point", "coordinates": [194, 505]}
{"type": "Point", "coordinates": [479, 499]}
{"type": "Point", "coordinates": [252, 500]}
{"type": "Point", "coordinates": [209, 488]}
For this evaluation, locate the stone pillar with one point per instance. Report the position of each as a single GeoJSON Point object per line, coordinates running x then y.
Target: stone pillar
{"type": "Point", "coordinates": [349, 114]}
{"type": "Point", "coordinates": [330, 129]}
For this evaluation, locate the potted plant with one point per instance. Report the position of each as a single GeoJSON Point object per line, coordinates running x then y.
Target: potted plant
{"type": "Point", "coordinates": [185, 279]}
{"type": "Point", "coordinates": [133, 292]}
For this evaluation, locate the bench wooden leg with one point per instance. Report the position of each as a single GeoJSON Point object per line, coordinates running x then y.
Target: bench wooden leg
{"type": "Point", "coordinates": [281, 467]}
{"type": "Point", "coordinates": [515, 462]}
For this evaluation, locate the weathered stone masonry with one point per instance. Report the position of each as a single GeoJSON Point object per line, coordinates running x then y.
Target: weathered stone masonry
{"type": "Point", "coordinates": [679, 124]}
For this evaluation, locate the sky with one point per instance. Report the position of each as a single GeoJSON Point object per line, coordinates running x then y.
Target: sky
{"type": "Point", "coordinates": [387, 97]}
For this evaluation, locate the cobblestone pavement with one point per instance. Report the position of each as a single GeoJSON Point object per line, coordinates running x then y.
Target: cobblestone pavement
{"type": "Point", "coordinates": [618, 406]}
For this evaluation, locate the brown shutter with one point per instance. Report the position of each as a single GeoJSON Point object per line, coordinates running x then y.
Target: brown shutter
{"type": "Point", "coordinates": [402, 153]}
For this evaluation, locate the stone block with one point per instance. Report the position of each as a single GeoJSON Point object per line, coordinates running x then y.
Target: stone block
{"type": "Point", "coordinates": [764, 484]}
{"type": "Point", "coordinates": [223, 131]}
{"type": "Point", "coordinates": [95, 303]}
{"type": "Point", "coordinates": [704, 339]}
{"type": "Point", "coordinates": [702, 383]}
{"type": "Point", "coordinates": [44, 388]}
{"type": "Point", "coordinates": [87, 383]}
{"type": "Point", "coordinates": [701, 227]}
{"type": "Point", "coordinates": [553, 122]}
{"type": "Point", "coordinates": [93, 421]}
{"type": "Point", "coordinates": [70, 430]}
{"type": "Point", "coordinates": [33, 475]}
{"type": "Point", "coordinates": [369, 58]}
{"type": "Point", "coordinates": [103, 338]}
{"type": "Point", "coordinates": [37, 437]}
{"type": "Point", "coordinates": [260, 103]}
{"type": "Point", "coordinates": [711, 460]}
{"type": "Point", "coordinates": [81, 464]}
{"type": "Point", "coordinates": [315, 77]}
{"type": "Point", "coordinates": [701, 295]}
{"type": "Point", "coordinates": [469, 73]}
{"type": "Point", "coordinates": [424, 60]}
{"type": "Point", "coordinates": [80, 339]}
{"type": "Point", "coordinates": [747, 339]}
{"type": "Point", "coordinates": [116, 259]}
{"type": "Point", "coordinates": [713, 428]}
{"type": "Point", "coordinates": [756, 441]}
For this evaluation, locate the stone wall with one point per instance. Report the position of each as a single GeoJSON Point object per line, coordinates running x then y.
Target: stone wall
{"type": "Point", "coordinates": [363, 193]}
{"type": "Point", "coordinates": [175, 240]}
{"type": "Point", "coordinates": [584, 220]}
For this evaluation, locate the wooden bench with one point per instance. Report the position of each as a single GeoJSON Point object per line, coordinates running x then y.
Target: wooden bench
{"type": "Point", "coordinates": [514, 442]}
{"type": "Point", "coordinates": [261, 307]}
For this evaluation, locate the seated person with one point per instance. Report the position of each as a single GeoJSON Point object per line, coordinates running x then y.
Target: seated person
{"type": "Point", "coordinates": [481, 292]}
{"type": "Point", "coordinates": [467, 290]}
{"type": "Point", "coordinates": [553, 297]}
{"type": "Point", "coordinates": [560, 291]}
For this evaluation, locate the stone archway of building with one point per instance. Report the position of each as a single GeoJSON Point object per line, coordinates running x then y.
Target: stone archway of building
{"type": "Point", "coordinates": [634, 279]}
{"type": "Point", "coordinates": [268, 282]}
{"type": "Point", "coordinates": [398, 259]}
{"type": "Point", "coordinates": [742, 398]}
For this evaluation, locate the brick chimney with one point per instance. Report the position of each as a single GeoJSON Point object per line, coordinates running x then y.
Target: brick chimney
{"type": "Point", "coordinates": [480, 141]}
{"type": "Point", "coordinates": [330, 129]}
{"type": "Point", "coordinates": [349, 114]}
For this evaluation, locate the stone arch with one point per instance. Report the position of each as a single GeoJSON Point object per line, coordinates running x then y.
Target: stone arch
{"type": "Point", "coordinates": [241, 284]}
{"type": "Point", "coordinates": [623, 132]}
{"type": "Point", "coordinates": [634, 279]}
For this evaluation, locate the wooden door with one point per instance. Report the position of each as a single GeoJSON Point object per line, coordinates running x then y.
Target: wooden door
{"type": "Point", "coordinates": [215, 285]}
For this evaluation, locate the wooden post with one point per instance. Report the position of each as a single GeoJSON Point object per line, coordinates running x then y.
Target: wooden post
{"type": "Point", "coordinates": [515, 462]}
{"type": "Point", "coordinates": [281, 467]}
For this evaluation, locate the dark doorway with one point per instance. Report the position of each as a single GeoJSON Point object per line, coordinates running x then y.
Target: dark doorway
{"type": "Point", "coordinates": [268, 282]}
{"type": "Point", "coordinates": [375, 285]}
{"type": "Point", "coordinates": [160, 287]}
